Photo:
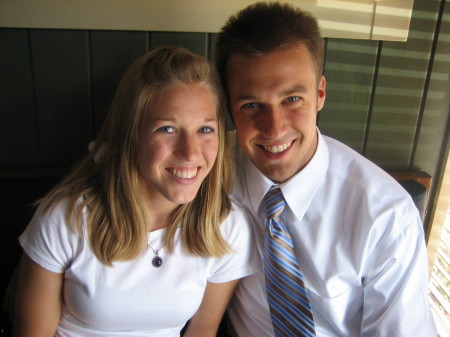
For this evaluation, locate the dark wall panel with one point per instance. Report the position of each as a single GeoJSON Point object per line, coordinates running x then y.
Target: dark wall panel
{"type": "Point", "coordinates": [195, 42]}
{"type": "Point", "coordinates": [18, 132]}
{"type": "Point", "coordinates": [60, 64]}
{"type": "Point", "coordinates": [111, 53]}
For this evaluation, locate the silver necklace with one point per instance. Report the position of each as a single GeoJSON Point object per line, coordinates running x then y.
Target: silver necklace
{"type": "Point", "coordinates": [157, 261]}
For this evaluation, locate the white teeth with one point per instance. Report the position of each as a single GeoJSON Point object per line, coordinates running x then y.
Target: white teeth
{"type": "Point", "coordinates": [185, 174]}
{"type": "Point", "coordinates": [276, 148]}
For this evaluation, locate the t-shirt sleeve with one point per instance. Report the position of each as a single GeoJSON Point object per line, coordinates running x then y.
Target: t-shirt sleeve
{"type": "Point", "coordinates": [48, 241]}
{"type": "Point", "coordinates": [236, 230]}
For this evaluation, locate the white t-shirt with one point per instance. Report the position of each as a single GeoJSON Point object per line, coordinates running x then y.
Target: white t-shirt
{"type": "Point", "coordinates": [131, 298]}
{"type": "Point", "coordinates": [359, 241]}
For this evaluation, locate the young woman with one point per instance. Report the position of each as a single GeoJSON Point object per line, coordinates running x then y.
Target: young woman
{"type": "Point", "coordinates": [141, 236]}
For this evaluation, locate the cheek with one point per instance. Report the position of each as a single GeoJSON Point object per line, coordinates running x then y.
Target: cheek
{"type": "Point", "coordinates": [210, 150]}
{"type": "Point", "coordinates": [245, 128]}
{"type": "Point", "coordinates": [305, 121]}
{"type": "Point", "coordinates": [152, 155]}
{"type": "Point", "coordinates": [240, 121]}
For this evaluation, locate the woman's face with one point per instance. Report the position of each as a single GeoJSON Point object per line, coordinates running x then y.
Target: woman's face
{"type": "Point", "coordinates": [179, 145]}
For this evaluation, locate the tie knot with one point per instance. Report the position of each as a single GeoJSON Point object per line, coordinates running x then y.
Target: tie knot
{"type": "Point", "coordinates": [273, 203]}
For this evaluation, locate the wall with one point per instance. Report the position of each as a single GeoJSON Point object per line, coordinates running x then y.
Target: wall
{"type": "Point", "coordinates": [356, 19]}
{"type": "Point", "coordinates": [387, 100]}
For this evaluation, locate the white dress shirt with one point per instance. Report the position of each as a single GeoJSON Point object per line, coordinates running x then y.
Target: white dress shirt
{"type": "Point", "coordinates": [359, 240]}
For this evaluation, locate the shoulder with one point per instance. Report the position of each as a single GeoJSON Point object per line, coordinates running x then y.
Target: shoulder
{"type": "Point", "coordinates": [237, 215]}
{"type": "Point", "coordinates": [60, 213]}
{"type": "Point", "coordinates": [53, 215]}
{"type": "Point", "coordinates": [238, 220]}
{"type": "Point", "coordinates": [354, 169]}
{"type": "Point", "coordinates": [240, 260]}
{"type": "Point", "coordinates": [49, 239]}
{"type": "Point", "coordinates": [362, 182]}
{"type": "Point", "coordinates": [345, 159]}
{"type": "Point", "coordinates": [56, 224]}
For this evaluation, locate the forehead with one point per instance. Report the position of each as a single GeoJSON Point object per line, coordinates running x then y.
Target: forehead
{"type": "Point", "coordinates": [284, 69]}
{"type": "Point", "coordinates": [183, 100]}
{"type": "Point", "coordinates": [293, 56]}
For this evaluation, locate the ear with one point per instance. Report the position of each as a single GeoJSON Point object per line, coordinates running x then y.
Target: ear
{"type": "Point", "coordinates": [321, 93]}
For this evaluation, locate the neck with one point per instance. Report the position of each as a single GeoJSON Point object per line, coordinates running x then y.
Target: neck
{"type": "Point", "coordinates": [158, 220]}
{"type": "Point", "coordinates": [159, 211]}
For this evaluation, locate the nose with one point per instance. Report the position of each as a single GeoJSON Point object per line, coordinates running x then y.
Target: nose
{"type": "Point", "coordinates": [187, 147]}
{"type": "Point", "coordinates": [272, 122]}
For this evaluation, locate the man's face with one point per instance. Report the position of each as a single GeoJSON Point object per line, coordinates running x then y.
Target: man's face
{"type": "Point", "coordinates": [274, 100]}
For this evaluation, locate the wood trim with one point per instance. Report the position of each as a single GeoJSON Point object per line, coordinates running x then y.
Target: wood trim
{"type": "Point", "coordinates": [419, 176]}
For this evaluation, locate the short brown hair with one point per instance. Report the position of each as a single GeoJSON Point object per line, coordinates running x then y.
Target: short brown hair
{"type": "Point", "coordinates": [266, 27]}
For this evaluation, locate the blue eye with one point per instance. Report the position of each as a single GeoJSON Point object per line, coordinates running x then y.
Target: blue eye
{"type": "Point", "coordinates": [250, 105]}
{"type": "Point", "coordinates": [293, 98]}
{"type": "Point", "coordinates": [206, 129]}
{"type": "Point", "coordinates": [167, 129]}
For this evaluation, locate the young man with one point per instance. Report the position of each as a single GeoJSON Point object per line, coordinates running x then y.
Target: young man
{"type": "Point", "coordinates": [357, 236]}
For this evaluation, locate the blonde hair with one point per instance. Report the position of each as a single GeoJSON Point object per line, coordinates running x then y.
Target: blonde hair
{"type": "Point", "coordinates": [109, 188]}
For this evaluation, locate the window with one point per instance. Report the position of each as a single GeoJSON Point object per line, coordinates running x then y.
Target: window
{"type": "Point", "coordinates": [439, 286]}
{"type": "Point", "coordinates": [439, 256]}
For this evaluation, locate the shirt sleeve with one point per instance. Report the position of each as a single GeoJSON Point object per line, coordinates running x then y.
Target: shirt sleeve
{"type": "Point", "coordinates": [396, 288]}
{"type": "Point", "coordinates": [241, 259]}
{"type": "Point", "coordinates": [48, 240]}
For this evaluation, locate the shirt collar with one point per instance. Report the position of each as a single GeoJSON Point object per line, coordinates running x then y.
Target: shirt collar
{"type": "Point", "coordinates": [257, 184]}
{"type": "Point", "coordinates": [299, 190]}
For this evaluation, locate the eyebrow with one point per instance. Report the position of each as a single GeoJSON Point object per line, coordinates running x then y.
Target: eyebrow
{"type": "Point", "coordinates": [288, 92]}
{"type": "Point", "coordinates": [300, 89]}
{"type": "Point", "coordinates": [161, 119]}
{"type": "Point", "coordinates": [245, 98]}
{"type": "Point", "coordinates": [171, 119]}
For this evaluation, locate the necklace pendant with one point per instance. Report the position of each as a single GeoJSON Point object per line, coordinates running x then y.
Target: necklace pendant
{"type": "Point", "coordinates": [157, 261]}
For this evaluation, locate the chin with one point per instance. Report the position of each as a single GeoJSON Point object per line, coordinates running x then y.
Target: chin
{"type": "Point", "coordinates": [277, 174]}
{"type": "Point", "coordinates": [183, 199]}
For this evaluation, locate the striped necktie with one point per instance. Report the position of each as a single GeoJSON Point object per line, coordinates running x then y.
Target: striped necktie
{"type": "Point", "coordinates": [290, 308]}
